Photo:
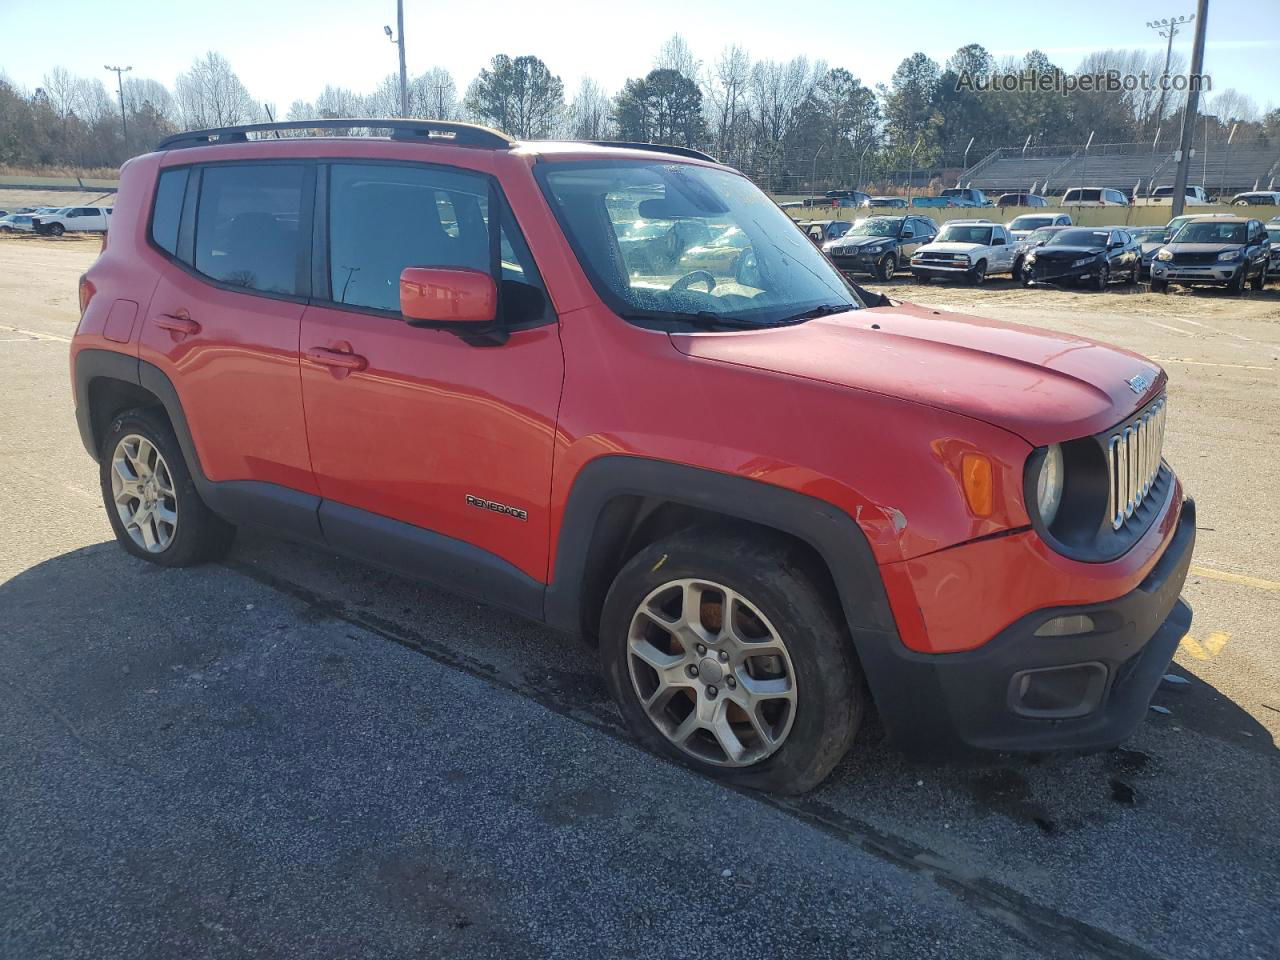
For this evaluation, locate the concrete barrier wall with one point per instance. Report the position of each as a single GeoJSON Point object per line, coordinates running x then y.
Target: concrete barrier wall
{"type": "Point", "coordinates": [59, 183]}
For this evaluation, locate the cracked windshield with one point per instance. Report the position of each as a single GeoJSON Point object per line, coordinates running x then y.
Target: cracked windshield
{"type": "Point", "coordinates": [673, 241]}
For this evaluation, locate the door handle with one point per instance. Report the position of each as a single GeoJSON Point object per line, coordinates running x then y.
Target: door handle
{"type": "Point", "coordinates": [177, 323]}
{"type": "Point", "coordinates": [337, 358]}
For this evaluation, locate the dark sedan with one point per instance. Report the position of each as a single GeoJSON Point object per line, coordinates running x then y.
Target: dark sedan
{"type": "Point", "coordinates": [879, 245]}
{"type": "Point", "coordinates": [1096, 254]}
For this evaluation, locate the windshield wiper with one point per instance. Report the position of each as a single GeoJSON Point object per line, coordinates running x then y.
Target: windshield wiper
{"type": "Point", "coordinates": [822, 310]}
{"type": "Point", "coordinates": [702, 319]}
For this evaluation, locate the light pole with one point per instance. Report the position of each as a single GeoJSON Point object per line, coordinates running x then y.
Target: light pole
{"type": "Point", "coordinates": [813, 171]}
{"type": "Point", "coordinates": [860, 159]}
{"type": "Point", "coordinates": [1189, 115]}
{"type": "Point", "coordinates": [124, 124]}
{"type": "Point", "coordinates": [398, 39]}
{"type": "Point", "coordinates": [1167, 28]}
{"type": "Point", "coordinates": [911, 168]}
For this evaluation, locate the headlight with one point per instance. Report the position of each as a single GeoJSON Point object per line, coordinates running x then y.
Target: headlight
{"type": "Point", "coordinates": [1229, 255]}
{"type": "Point", "coordinates": [960, 257]}
{"type": "Point", "coordinates": [1029, 259]}
{"type": "Point", "coordinates": [1049, 485]}
{"type": "Point", "coordinates": [1164, 254]}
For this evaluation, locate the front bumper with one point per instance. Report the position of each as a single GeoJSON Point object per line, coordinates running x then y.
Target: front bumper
{"type": "Point", "coordinates": [858, 262]}
{"type": "Point", "coordinates": [939, 268]}
{"type": "Point", "coordinates": [1048, 273]}
{"type": "Point", "coordinates": [1024, 692]}
{"type": "Point", "coordinates": [1211, 274]}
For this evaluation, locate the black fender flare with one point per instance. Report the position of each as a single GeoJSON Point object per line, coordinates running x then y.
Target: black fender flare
{"type": "Point", "coordinates": [290, 512]}
{"type": "Point", "coordinates": [830, 532]}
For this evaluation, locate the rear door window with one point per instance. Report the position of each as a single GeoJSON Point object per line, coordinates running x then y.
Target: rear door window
{"type": "Point", "coordinates": [167, 212]}
{"type": "Point", "coordinates": [247, 226]}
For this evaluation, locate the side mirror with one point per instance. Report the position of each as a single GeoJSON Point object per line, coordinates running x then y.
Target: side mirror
{"type": "Point", "coordinates": [998, 242]}
{"type": "Point", "coordinates": [1116, 244]}
{"type": "Point", "coordinates": [447, 297]}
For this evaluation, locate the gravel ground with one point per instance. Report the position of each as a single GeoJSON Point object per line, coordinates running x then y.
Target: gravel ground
{"type": "Point", "coordinates": [290, 755]}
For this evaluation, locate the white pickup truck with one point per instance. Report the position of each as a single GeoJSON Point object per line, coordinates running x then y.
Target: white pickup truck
{"type": "Point", "coordinates": [969, 250]}
{"type": "Point", "coordinates": [73, 220]}
{"type": "Point", "coordinates": [1163, 197]}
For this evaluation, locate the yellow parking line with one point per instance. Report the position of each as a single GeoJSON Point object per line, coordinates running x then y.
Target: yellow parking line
{"type": "Point", "coordinates": [1211, 647]}
{"type": "Point", "coordinates": [33, 333]}
{"type": "Point", "coordinates": [1257, 583]}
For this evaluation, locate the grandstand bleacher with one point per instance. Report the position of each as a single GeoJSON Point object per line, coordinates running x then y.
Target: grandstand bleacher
{"type": "Point", "coordinates": [1224, 170]}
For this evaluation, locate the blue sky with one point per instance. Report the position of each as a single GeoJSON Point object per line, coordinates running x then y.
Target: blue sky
{"type": "Point", "coordinates": [289, 49]}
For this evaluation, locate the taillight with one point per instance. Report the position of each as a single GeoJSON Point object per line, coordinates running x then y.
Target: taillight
{"type": "Point", "coordinates": [87, 290]}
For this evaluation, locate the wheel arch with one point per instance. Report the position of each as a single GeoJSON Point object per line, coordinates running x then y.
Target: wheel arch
{"type": "Point", "coordinates": [620, 504]}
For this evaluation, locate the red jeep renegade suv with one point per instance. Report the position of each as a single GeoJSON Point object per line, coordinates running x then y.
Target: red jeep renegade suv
{"type": "Point", "coordinates": [614, 388]}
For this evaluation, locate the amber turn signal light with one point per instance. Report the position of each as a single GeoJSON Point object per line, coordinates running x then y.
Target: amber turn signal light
{"type": "Point", "coordinates": [975, 476]}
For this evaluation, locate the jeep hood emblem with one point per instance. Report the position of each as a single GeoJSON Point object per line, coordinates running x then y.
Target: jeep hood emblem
{"type": "Point", "coordinates": [1139, 384]}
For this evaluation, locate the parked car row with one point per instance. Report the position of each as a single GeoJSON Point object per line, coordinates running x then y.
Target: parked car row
{"type": "Point", "coordinates": [1048, 250]}
{"type": "Point", "coordinates": [55, 221]}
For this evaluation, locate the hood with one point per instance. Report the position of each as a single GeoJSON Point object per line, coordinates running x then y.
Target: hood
{"type": "Point", "coordinates": [1063, 252]}
{"type": "Point", "coordinates": [847, 241]}
{"type": "Point", "coordinates": [950, 246]}
{"type": "Point", "coordinates": [1041, 385]}
{"type": "Point", "coordinates": [1202, 247]}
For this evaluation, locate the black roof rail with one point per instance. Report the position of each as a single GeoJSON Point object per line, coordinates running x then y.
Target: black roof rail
{"type": "Point", "coordinates": [656, 148]}
{"type": "Point", "coordinates": [433, 131]}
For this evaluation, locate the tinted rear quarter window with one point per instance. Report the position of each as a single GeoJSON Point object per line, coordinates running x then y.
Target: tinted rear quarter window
{"type": "Point", "coordinates": [167, 213]}
{"type": "Point", "coordinates": [247, 226]}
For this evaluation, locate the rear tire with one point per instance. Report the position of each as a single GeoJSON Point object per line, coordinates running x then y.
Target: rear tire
{"type": "Point", "coordinates": [775, 605]}
{"type": "Point", "coordinates": [1016, 272]}
{"type": "Point", "coordinates": [151, 500]}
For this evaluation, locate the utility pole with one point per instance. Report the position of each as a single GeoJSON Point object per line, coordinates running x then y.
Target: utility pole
{"type": "Point", "coordinates": [398, 40]}
{"type": "Point", "coordinates": [124, 124]}
{"type": "Point", "coordinates": [1167, 28]}
{"type": "Point", "coordinates": [1189, 115]}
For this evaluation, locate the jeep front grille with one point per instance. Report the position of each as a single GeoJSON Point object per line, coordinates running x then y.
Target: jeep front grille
{"type": "Point", "coordinates": [1134, 454]}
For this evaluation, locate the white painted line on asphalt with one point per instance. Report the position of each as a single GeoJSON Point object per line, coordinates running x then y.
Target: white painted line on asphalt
{"type": "Point", "coordinates": [1207, 363]}
{"type": "Point", "coordinates": [35, 335]}
{"type": "Point", "coordinates": [1157, 323]}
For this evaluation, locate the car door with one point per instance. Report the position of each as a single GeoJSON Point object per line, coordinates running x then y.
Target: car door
{"type": "Point", "coordinates": [223, 322]}
{"type": "Point", "coordinates": [910, 239]}
{"type": "Point", "coordinates": [1001, 251]}
{"type": "Point", "coordinates": [425, 446]}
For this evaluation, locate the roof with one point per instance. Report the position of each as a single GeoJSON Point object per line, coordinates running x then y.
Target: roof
{"type": "Point", "coordinates": [439, 132]}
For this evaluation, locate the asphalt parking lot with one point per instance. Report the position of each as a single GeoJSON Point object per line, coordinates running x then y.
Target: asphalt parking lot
{"type": "Point", "coordinates": [290, 755]}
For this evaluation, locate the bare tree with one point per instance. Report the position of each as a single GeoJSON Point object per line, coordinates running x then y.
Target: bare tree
{"type": "Point", "coordinates": [676, 55]}
{"type": "Point", "coordinates": [63, 91]}
{"type": "Point", "coordinates": [434, 95]}
{"type": "Point", "coordinates": [211, 95]}
{"type": "Point", "coordinates": [725, 99]}
{"type": "Point", "coordinates": [1232, 106]}
{"type": "Point", "coordinates": [590, 113]}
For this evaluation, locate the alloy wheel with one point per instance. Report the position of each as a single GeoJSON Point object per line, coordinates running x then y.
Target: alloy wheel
{"type": "Point", "coordinates": [711, 672]}
{"type": "Point", "coordinates": [142, 489]}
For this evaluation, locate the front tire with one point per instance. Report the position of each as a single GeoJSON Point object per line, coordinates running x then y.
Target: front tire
{"type": "Point", "coordinates": [723, 654]}
{"type": "Point", "coordinates": [978, 273]}
{"type": "Point", "coordinates": [887, 267]}
{"type": "Point", "coordinates": [151, 500]}
{"type": "Point", "coordinates": [1237, 282]}
{"type": "Point", "coordinates": [1260, 281]}
{"type": "Point", "coordinates": [57, 230]}
{"type": "Point", "coordinates": [1102, 279]}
